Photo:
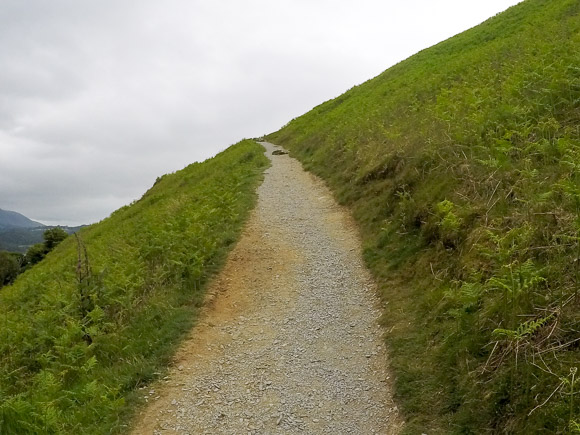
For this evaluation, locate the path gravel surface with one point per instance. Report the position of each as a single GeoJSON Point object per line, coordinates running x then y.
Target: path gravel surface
{"type": "Point", "coordinates": [289, 340]}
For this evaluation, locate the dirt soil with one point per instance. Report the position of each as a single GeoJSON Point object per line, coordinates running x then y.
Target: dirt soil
{"type": "Point", "coordinates": [288, 341]}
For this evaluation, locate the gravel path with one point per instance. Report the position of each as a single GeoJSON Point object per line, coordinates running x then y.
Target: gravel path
{"type": "Point", "coordinates": [289, 341]}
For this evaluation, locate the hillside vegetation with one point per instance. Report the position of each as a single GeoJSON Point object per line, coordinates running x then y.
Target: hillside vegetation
{"type": "Point", "coordinates": [98, 318]}
{"type": "Point", "coordinates": [461, 166]}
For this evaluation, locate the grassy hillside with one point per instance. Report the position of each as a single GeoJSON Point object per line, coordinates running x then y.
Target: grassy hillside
{"type": "Point", "coordinates": [100, 316]}
{"type": "Point", "coordinates": [461, 165]}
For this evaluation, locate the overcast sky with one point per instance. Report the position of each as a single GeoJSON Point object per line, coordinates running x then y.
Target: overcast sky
{"type": "Point", "coordinates": [98, 98]}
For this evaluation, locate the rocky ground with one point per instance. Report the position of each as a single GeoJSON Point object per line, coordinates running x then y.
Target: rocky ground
{"type": "Point", "coordinates": [289, 341]}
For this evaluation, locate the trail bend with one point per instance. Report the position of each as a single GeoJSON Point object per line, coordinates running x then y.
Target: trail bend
{"type": "Point", "coordinates": [289, 340]}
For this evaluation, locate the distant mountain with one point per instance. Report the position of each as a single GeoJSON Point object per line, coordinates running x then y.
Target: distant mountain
{"type": "Point", "coordinates": [12, 219]}
{"type": "Point", "coordinates": [18, 233]}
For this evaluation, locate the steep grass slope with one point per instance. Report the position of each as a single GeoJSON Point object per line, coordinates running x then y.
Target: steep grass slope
{"type": "Point", "coordinates": [99, 317]}
{"type": "Point", "coordinates": [461, 165]}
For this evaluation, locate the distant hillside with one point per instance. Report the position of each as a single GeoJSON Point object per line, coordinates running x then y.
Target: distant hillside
{"type": "Point", "coordinates": [97, 319]}
{"type": "Point", "coordinates": [20, 239]}
{"type": "Point", "coordinates": [12, 219]}
{"type": "Point", "coordinates": [462, 167]}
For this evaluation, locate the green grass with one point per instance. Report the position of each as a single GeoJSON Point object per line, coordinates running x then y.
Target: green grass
{"type": "Point", "coordinates": [462, 167]}
{"type": "Point", "coordinates": [81, 332]}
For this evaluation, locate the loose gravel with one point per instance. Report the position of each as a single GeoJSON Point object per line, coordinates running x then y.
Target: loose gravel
{"type": "Point", "coordinates": [289, 341]}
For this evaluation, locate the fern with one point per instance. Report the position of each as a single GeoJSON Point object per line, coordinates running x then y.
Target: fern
{"type": "Point", "coordinates": [518, 278]}
{"type": "Point", "coordinates": [524, 330]}
{"type": "Point", "coordinates": [17, 417]}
